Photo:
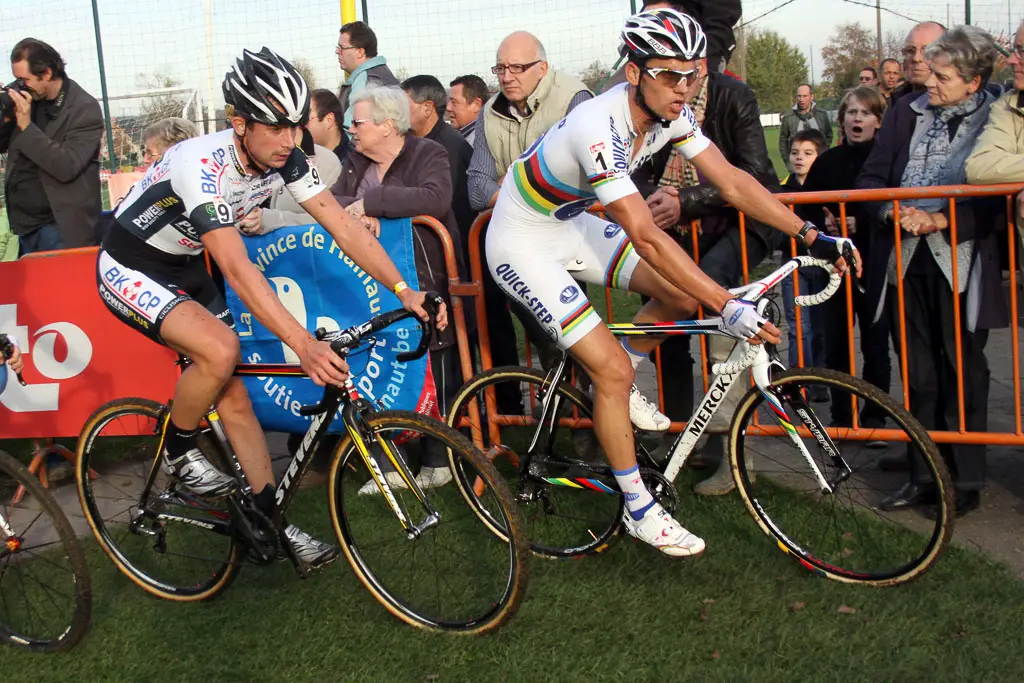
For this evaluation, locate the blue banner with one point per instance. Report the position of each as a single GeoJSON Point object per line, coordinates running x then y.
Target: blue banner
{"type": "Point", "coordinates": [322, 287]}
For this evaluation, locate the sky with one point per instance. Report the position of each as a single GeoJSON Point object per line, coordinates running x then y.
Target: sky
{"type": "Point", "coordinates": [447, 39]}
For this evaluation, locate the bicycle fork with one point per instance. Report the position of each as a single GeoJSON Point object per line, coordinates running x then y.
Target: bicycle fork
{"type": "Point", "coordinates": [776, 398]}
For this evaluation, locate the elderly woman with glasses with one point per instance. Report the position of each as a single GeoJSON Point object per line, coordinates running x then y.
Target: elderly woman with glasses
{"type": "Point", "coordinates": [391, 173]}
{"type": "Point", "coordinates": [926, 142]}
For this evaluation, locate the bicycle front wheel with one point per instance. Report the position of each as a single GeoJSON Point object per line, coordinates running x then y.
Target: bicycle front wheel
{"type": "Point", "coordinates": [157, 534]}
{"type": "Point", "coordinates": [813, 484]}
{"type": "Point", "coordinates": [45, 592]}
{"type": "Point", "coordinates": [436, 563]}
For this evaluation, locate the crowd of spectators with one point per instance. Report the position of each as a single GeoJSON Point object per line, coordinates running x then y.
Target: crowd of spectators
{"type": "Point", "coordinates": [390, 150]}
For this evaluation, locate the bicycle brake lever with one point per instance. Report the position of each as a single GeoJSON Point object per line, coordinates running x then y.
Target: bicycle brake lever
{"type": "Point", "coordinates": [851, 261]}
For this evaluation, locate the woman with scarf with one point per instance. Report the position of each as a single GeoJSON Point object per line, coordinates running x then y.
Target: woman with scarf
{"type": "Point", "coordinates": [925, 142]}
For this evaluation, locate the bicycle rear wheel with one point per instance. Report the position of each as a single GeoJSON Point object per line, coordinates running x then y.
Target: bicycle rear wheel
{"type": "Point", "coordinates": [160, 536]}
{"type": "Point", "coordinates": [457, 572]}
{"type": "Point", "coordinates": [45, 591]}
{"type": "Point", "coordinates": [565, 516]}
{"type": "Point", "coordinates": [821, 507]}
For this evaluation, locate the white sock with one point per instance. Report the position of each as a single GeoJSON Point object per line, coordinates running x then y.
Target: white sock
{"type": "Point", "coordinates": [635, 357]}
{"type": "Point", "coordinates": [638, 498]}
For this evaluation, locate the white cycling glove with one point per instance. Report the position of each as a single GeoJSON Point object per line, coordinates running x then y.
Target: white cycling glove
{"type": "Point", "coordinates": [740, 319]}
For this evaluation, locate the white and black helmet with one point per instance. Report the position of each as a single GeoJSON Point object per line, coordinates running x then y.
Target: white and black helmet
{"type": "Point", "coordinates": [262, 86]}
{"type": "Point", "coordinates": [666, 33]}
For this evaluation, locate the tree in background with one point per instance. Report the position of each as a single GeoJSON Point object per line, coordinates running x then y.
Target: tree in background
{"type": "Point", "coordinates": [850, 49]}
{"type": "Point", "coordinates": [306, 69]}
{"type": "Point", "coordinates": [775, 67]}
{"type": "Point", "coordinates": [160, 106]}
{"type": "Point", "coordinates": [594, 75]}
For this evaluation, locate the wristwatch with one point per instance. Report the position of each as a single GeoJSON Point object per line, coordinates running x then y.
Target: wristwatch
{"type": "Point", "coordinates": [806, 228]}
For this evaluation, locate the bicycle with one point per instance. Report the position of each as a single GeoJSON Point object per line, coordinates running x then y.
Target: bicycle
{"type": "Point", "coordinates": [137, 514]}
{"type": "Point", "coordinates": [45, 588]}
{"type": "Point", "coordinates": [573, 505]}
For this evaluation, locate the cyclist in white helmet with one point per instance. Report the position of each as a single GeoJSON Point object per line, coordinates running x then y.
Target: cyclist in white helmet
{"type": "Point", "coordinates": [540, 231]}
{"type": "Point", "coordinates": [151, 273]}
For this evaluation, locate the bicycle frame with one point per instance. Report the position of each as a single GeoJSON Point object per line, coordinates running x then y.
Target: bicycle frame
{"type": "Point", "coordinates": [344, 402]}
{"type": "Point", "coordinates": [743, 356]}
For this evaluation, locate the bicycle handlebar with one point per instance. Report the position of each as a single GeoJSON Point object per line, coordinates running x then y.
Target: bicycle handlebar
{"type": "Point", "coordinates": [343, 340]}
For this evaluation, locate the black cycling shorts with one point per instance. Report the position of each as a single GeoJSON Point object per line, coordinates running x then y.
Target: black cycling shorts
{"type": "Point", "coordinates": [143, 298]}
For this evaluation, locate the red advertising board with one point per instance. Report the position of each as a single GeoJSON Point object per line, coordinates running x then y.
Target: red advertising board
{"type": "Point", "coordinates": [77, 354]}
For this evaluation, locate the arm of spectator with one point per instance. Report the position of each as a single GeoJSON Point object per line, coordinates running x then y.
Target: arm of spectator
{"type": "Point", "coordinates": [751, 155]}
{"type": "Point", "coordinates": [66, 160]}
{"type": "Point", "coordinates": [431, 196]}
{"type": "Point", "coordinates": [6, 128]}
{"type": "Point", "coordinates": [998, 156]}
{"type": "Point", "coordinates": [482, 176]}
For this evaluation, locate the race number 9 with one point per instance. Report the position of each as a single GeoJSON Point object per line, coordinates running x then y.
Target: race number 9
{"type": "Point", "coordinates": [224, 214]}
{"type": "Point", "coordinates": [313, 172]}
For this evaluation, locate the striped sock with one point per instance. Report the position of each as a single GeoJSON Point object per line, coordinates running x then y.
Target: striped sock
{"type": "Point", "coordinates": [635, 357]}
{"type": "Point", "coordinates": [638, 498]}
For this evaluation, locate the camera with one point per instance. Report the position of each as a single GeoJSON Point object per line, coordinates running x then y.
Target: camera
{"type": "Point", "coordinates": [6, 103]}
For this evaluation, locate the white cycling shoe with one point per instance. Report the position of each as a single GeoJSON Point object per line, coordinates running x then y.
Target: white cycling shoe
{"type": "Point", "coordinates": [393, 478]}
{"type": "Point", "coordinates": [659, 529]}
{"type": "Point", "coordinates": [644, 414]}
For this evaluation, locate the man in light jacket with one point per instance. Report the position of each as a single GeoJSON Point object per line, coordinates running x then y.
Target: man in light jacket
{"type": "Point", "coordinates": [805, 116]}
{"type": "Point", "coordinates": [364, 68]}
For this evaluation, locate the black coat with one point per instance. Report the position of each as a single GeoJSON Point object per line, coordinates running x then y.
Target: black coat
{"type": "Point", "coordinates": [66, 150]}
{"type": "Point", "coordinates": [732, 120]}
{"type": "Point", "coordinates": [716, 18]}
{"type": "Point", "coordinates": [978, 219]}
{"type": "Point", "coordinates": [838, 168]}
{"type": "Point", "coordinates": [459, 154]}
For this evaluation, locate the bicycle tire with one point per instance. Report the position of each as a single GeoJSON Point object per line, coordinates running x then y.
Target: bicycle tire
{"type": "Point", "coordinates": [213, 580]}
{"type": "Point", "coordinates": [545, 538]}
{"type": "Point", "coordinates": [745, 474]}
{"type": "Point", "coordinates": [511, 532]}
{"type": "Point", "coordinates": [81, 614]}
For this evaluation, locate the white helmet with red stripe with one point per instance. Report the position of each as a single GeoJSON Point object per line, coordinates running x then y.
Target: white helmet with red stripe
{"type": "Point", "coordinates": [664, 33]}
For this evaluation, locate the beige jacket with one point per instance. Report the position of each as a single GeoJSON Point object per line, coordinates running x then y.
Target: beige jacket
{"type": "Point", "coordinates": [998, 156]}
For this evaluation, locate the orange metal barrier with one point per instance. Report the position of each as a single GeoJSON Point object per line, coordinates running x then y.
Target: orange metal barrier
{"type": "Point", "coordinates": [842, 198]}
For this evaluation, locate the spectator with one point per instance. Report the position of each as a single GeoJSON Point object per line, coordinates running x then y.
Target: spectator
{"type": "Point", "coordinates": [51, 133]}
{"type": "Point", "coordinates": [892, 76]}
{"type": "Point", "coordinates": [391, 174]}
{"type": "Point", "coordinates": [805, 116]}
{"type": "Point", "coordinates": [727, 112]}
{"type": "Point", "coordinates": [363, 67]}
{"type": "Point", "coordinates": [283, 210]}
{"type": "Point", "coordinates": [465, 100]}
{"type": "Point", "coordinates": [427, 102]}
{"type": "Point", "coordinates": [868, 77]}
{"type": "Point", "coordinates": [159, 137]}
{"type": "Point", "coordinates": [325, 123]}
{"type": "Point", "coordinates": [804, 150]}
{"type": "Point", "coordinates": [915, 68]}
{"type": "Point", "coordinates": [999, 154]}
{"type": "Point", "coordinates": [925, 141]}
{"type": "Point", "coordinates": [860, 115]}
{"type": "Point", "coordinates": [532, 98]}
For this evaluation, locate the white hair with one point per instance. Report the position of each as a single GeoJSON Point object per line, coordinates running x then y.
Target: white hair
{"type": "Point", "coordinates": [170, 131]}
{"type": "Point", "coordinates": [387, 102]}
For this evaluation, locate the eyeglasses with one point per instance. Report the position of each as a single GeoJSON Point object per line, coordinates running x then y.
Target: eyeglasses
{"type": "Point", "coordinates": [358, 122]}
{"type": "Point", "coordinates": [910, 50]}
{"type": "Point", "coordinates": [1019, 51]}
{"type": "Point", "coordinates": [347, 47]}
{"type": "Point", "coordinates": [672, 77]}
{"type": "Point", "coordinates": [514, 69]}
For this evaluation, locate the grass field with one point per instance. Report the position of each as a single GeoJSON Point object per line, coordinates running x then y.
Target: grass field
{"type": "Point", "coordinates": [742, 612]}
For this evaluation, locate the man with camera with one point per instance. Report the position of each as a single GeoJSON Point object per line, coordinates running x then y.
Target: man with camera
{"type": "Point", "coordinates": [51, 132]}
